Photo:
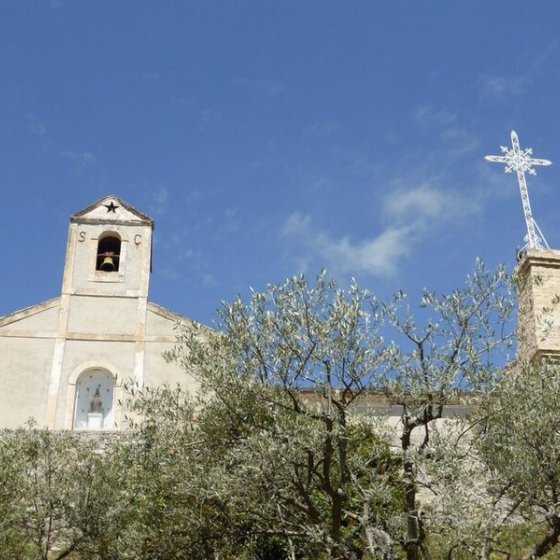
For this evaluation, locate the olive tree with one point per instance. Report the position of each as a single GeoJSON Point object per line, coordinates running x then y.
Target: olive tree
{"type": "Point", "coordinates": [520, 444]}
{"type": "Point", "coordinates": [177, 504]}
{"type": "Point", "coordinates": [282, 380]}
{"type": "Point", "coordinates": [58, 495]}
{"type": "Point", "coordinates": [455, 344]}
{"type": "Point", "coordinates": [292, 377]}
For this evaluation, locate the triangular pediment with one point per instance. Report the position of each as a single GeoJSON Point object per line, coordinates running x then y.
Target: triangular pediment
{"type": "Point", "coordinates": [111, 209]}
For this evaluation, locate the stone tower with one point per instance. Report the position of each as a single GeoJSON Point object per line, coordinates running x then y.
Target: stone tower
{"type": "Point", "coordinates": [66, 362]}
{"type": "Point", "coordinates": [104, 290]}
{"type": "Point", "coordinates": [538, 277]}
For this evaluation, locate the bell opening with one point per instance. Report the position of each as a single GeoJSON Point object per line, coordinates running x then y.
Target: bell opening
{"type": "Point", "coordinates": [108, 254]}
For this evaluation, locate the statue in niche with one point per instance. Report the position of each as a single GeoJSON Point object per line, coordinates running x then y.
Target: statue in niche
{"type": "Point", "coordinates": [96, 403]}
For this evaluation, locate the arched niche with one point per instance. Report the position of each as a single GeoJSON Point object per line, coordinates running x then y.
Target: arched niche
{"type": "Point", "coordinates": [94, 400]}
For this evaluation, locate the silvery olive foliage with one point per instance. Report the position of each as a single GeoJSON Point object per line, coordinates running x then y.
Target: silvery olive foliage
{"type": "Point", "coordinates": [296, 370]}
{"type": "Point", "coordinates": [283, 377]}
{"type": "Point", "coordinates": [498, 472]}
{"type": "Point", "coordinates": [519, 442]}
{"type": "Point", "coordinates": [453, 346]}
{"type": "Point", "coordinates": [287, 450]}
{"type": "Point", "coordinates": [57, 496]}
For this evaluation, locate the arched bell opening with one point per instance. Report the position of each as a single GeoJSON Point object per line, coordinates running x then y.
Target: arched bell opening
{"type": "Point", "coordinates": [108, 254]}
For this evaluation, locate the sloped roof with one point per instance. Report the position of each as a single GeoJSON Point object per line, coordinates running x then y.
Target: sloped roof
{"type": "Point", "coordinates": [29, 311]}
{"type": "Point", "coordinates": [175, 317]}
{"type": "Point", "coordinates": [111, 209]}
{"type": "Point", "coordinates": [54, 302]}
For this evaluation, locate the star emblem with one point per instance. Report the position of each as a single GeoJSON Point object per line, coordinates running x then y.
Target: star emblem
{"type": "Point", "coordinates": [111, 207]}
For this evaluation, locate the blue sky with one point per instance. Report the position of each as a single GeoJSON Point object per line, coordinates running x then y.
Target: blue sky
{"type": "Point", "coordinates": [272, 138]}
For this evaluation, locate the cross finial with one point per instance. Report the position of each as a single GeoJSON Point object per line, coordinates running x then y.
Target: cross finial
{"type": "Point", "coordinates": [521, 161]}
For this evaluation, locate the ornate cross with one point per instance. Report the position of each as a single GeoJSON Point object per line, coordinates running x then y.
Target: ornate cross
{"type": "Point", "coordinates": [521, 161]}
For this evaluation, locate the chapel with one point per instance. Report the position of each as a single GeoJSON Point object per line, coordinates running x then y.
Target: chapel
{"type": "Point", "coordinates": [65, 362]}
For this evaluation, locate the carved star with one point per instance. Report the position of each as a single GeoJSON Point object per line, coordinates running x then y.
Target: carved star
{"type": "Point", "coordinates": [111, 207]}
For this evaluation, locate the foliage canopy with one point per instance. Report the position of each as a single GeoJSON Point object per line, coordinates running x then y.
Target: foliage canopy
{"type": "Point", "coordinates": [287, 450]}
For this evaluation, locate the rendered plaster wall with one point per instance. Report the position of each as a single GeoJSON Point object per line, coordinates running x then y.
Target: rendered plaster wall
{"type": "Point", "coordinates": [24, 370]}
{"type": "Point", "coordinates": [158, 371]}
{"type": "Point", "coordinates": [162, 327]}
{"type": "Point", "coordinates": [26, 350]}
{"type": "Point", "coordinates": [32, 322]}
{"type": "Point", "coordinates": [101, 315]}
{"type": "Point", "coordinates": [131, 279]}
{"type": "Point", "coordinates": [159, 322]}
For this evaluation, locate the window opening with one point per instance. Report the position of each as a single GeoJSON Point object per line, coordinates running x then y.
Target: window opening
{"type": "Point", "coordinates": [108, 254]}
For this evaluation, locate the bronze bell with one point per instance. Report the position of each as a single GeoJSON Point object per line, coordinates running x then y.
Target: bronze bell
{"type": "Point", "coordinates": [108, 265]}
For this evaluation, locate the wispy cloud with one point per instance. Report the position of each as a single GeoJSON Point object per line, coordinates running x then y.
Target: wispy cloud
{"type": "Point", "coordinates": [209, 280]}
{"type": "Point", "coordinates": [208, 117]}
{"type": "Point", "coordinates": [35, 126]}
{"type": "Point", "coordinates": [445, 124]}
{"type": "Point", "coordinates": [427, 203]}
{"type": "Point", "coordinates": [412, 215]}
{"type": "Point", "coordinates": [437, 116]}
{"type": "Point", "coordinates": [194, 195]}
{"type": "Point", "coordinates": [230, 222]}
{"type": "Point", "coordinates": [83, 159]}
{"type": "Point", "coordinates": [498, 86]}
{"type": "Point", "coordinates": [266, 88]}
{"type": "Point", "coordinates": [321, 129]}
{"type": "Point", "coordinates": [159, 199]}
{"type": "Point", "coordinates": [378, 257]}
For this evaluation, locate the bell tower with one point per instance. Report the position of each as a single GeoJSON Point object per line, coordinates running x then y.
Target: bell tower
{"type": "Point", "coordinates": [103, 304]}
{"type": "Point", "coordinates": [69, 362]}
{"type": "Point", "coordinates": [538, 280]}
{"type": "Point", "coordinates": [109, 251]}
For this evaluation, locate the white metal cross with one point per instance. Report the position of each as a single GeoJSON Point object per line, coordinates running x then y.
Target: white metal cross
{"type": "Point", "coordinates": [521, 161]}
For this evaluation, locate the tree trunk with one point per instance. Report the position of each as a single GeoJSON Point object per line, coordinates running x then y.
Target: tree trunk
{"type": "Point", "coordinates": [549, 541]}
{"type": "Point", "coordinates": [414, 534]}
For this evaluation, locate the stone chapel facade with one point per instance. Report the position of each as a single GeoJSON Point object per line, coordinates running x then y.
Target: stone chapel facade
{"type": "Point", "coordinates": [63, 362]}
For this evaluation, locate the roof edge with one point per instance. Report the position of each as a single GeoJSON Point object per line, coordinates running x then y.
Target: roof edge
{"type": "Point", "coordinates": [143, 217]}
{"type": "Point", "coordinates": [176, 317]}
{"type": "Point", "coordinates": [28, 311]}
